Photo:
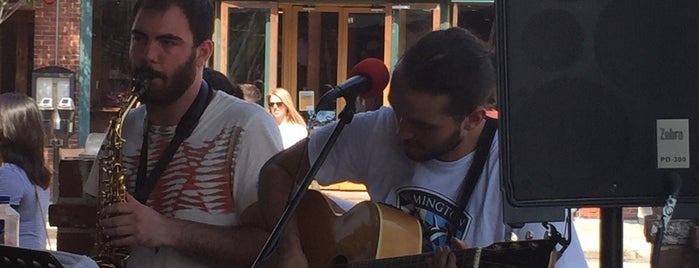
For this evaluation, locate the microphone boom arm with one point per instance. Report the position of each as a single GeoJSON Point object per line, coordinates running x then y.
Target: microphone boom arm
{"type": "Point", "coordinates": [349, 90]}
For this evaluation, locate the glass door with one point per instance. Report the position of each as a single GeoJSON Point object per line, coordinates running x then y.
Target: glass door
{"type": "Point", "coordinates": [365, 35]}
{"type": "Point", "coordinates": [247, 54]}
{"type": "Point", "coordinates": [412, 22]}
{"type": "Point", "coordinates": [317, 52]}
{"type": "Point", "coordinates": [311, 48]}
{"type": "Point", "coordinates": [329, 41]}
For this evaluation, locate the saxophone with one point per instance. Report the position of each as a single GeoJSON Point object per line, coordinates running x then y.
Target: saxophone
{"type": "Point", "coordinates": [112, 178]}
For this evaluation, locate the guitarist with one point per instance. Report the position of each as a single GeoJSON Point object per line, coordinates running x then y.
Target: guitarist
{"type": "Point", "coordinates": [415, 154]}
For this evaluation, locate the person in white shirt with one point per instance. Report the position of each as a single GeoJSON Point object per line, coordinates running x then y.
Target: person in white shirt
{"type": "Point", "coordinates": [415, 156]}
{"type": "Point", "coordinates": [291, 124]}
{"type": "Point", "coordinates": [196, 210]}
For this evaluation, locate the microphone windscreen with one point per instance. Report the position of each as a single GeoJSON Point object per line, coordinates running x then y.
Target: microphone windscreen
{"type": "Point", "coordinates": [376, 72]}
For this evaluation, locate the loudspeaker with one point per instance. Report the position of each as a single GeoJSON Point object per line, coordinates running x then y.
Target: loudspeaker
{"type": "Point", "coordinates": [597, 101]}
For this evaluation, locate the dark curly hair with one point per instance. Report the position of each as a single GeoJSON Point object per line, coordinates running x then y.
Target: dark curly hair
{"type": "Point", "coordinates": [22, 137]}
{"type": "Point", "coordinates": [218, 80]}
{"type": "Point", "coordinates": [451, 62]}
{"type": "Point", "coordinates": [199, 14]}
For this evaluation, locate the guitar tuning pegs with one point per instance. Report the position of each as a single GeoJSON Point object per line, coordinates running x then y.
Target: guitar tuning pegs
{"type": "Point", "coordinates": [511, 237]}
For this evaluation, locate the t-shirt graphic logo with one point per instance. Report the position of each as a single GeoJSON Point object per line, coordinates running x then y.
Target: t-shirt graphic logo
{"type": "Point", "coordinates": [434, 212]}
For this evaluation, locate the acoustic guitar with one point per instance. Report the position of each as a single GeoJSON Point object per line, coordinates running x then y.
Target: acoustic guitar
{"type": "Point", "coordinates": [378, 235]}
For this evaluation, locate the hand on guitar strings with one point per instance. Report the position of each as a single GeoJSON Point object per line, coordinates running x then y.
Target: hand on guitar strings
{"type": "Point", "coordinates": [444, 257]}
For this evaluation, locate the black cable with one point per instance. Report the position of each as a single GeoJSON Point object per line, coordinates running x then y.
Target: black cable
{"type": "Point", "coordinates": [655, 256]}
{"type": "Point", "coordinates": [668, 209]}
{"type": "Point", "coordinates": [568, 233]}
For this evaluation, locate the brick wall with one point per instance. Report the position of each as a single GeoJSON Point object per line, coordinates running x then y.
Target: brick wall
{"type": "Point", "coordinates": [67, 49]}
{"type": "Point", "coordinates": [628, 213]}
{"type": "Point", "coordinates": [679, 246]}
{"type": "Point", "coordinates": [73, 235]}
{"type": "Point", "coordinates": [68, 35]}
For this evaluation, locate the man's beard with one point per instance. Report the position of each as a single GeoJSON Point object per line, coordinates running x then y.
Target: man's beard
{"type": "Point", "coordinates": [440, 149]}
{"type": "Point", "coordinates": [173, 88]}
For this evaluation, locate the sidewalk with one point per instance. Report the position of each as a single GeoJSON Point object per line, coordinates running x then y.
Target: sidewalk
{"type": "Point", "coordinates": [636, 249]}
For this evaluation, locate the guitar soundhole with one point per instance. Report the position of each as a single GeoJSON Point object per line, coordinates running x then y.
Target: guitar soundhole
{"type": "Point", "coordinates": [340, 261]}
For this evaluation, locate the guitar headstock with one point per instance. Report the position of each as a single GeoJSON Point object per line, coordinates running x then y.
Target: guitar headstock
{"type": "Point", "coordinates": [528, 253]}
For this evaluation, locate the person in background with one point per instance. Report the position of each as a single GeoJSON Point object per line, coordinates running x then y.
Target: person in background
{"type": "Point", "coordinates": [220, 81]}
{"type": "Point", "coordinates": [416, 155]}
{"type": "Point", "coordinates": [197, 211]}
{"type": "Point", "coordinates": [23, 174]}
{"type": "Point", "coordinates": [491, 109]}
{"type": "Point", "coordinates": [291, 124]}
{"type": "Point", "coordinates": [259, 84]}
{"type": "Point", "coordinates": [251, 93]}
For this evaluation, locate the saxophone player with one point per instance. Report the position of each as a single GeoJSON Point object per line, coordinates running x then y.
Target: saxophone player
{"type": "Point", "coordinates": [191, 155]}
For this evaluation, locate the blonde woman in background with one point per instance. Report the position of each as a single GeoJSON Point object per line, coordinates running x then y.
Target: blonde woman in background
{"type": "Point", "coordinates": [291, 124]}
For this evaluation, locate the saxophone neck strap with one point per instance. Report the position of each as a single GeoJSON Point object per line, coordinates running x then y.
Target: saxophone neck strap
{"type": "Point", "coordinates": [145, 182]}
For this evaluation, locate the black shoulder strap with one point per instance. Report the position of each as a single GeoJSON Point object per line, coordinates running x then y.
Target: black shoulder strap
{"type": "Point", "coordinates": [474, 172]}
{"type": "Point", "coordinates": [189, 121]}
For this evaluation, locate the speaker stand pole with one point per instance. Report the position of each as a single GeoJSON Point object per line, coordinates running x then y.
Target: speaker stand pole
{"type": "Point", "coordinates": [611, 238]}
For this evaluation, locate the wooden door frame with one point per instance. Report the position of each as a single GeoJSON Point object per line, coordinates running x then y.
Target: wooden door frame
{"type": "Point", "coordinates": [290, 41]}
{"type": "Point", "coordinates": [290, 38]}
{"type": "Point", "coordinates": [290, 50]}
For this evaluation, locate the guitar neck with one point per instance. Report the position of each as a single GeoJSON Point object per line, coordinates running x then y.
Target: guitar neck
{"type": "Point", "coordinates": [530, 253]}
{"type": "Point", "coordinates": [464, 258]}
{"type": "Point", "coordinates": [374, 235]}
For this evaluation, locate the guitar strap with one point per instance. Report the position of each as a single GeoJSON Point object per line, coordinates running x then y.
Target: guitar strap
{"type": "Point", "coordinates": [189, 121]}
{"type": "Point", "coordinates": [473, 174]}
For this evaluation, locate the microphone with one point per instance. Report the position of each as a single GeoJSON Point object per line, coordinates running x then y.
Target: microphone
{"type": "Point", "coordinates": [368, 79]}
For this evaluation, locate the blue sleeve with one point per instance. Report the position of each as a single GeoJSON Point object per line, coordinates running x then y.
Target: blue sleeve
{"type": "Point", "coordinates": [11, 180]}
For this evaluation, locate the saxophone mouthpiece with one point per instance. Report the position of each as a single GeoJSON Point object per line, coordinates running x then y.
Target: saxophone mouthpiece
{"type": "Point", "coordinates": [140, 84]}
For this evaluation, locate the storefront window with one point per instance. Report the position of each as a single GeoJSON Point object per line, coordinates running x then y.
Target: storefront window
{"type": "Point", "coordinates": [365, 40]}
{"type": "Point", "coordinates": [477, 18]}
{"type": "Point", "coordinates": [418, 22]}
{"type": "Point", "coordinates": [246, 44]}
{"type": "Point", "coordinates": [317, 50]}
{"type": "Point", "coordinates": [111, 81]}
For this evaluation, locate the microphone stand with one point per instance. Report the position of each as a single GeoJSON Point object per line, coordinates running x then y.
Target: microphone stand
{"type": "Point", "coordinates": [272, 242]}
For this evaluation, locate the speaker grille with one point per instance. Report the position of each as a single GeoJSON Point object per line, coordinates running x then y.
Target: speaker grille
{"type": "Point", "coordinates": [582, 84]}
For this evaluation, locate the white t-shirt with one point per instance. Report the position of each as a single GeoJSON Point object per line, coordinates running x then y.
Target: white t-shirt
{"type": "Point", "coordinates": [292, 133]}
{"type": "Point", "coordinates": [368, 151]}
{"type": "Point", "coordinates": [220, 160]}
